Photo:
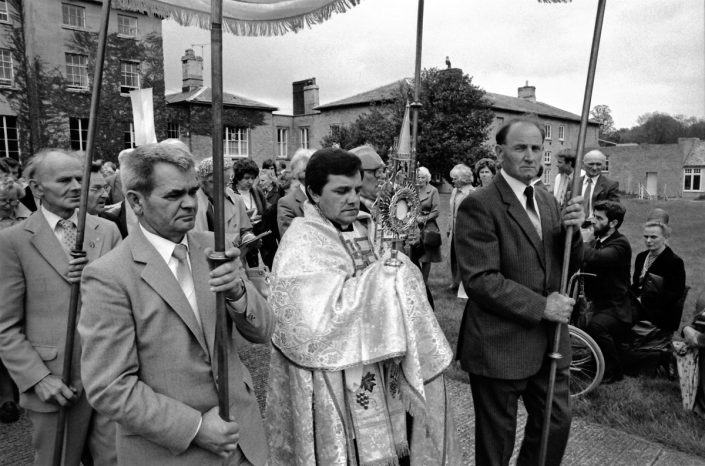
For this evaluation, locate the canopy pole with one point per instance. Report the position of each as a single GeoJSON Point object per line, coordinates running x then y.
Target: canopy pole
{"type": "Point", "coordinates": [555, 355]}
{"type": "Point", "coordinates": [77, 251]}
{"type": "Point", "coordinates": [218, 257]}
{"type": "Point", "coordinates": [416, 104]}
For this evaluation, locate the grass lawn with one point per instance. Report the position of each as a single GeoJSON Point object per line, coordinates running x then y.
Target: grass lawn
{"type": "Point", "coordinates": [648, 407]}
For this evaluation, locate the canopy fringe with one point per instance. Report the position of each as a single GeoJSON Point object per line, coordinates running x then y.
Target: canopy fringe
{"type": "Point", "coordinates": [238, 27]}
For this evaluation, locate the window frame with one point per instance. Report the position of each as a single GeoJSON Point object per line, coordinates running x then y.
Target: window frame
{"type": "Point", "coordinates": [239, 143]}
{"type": "Point", "coordinates": [77, 66]}
{"type": "Point", "coordinates": [6, 127]}
{"type": "Point", "coordinates": [547, 128]}
{"type": "Point", "coordinates": [561, 132]}
{"type": "Point", "coordinates": [173, 130]}
{"type": "Point", "coordinates": [304, 137]}
{"type": "Point", "coordinates": [282, 142]}
{"type": "Point", "coordinates": [131, 132]}
{"type": "Point", "coordinates": [131, 32]}
{"type": "Point", "coordinates": [4, 12]}
{"type": "Point", "coordinates": [11, 81]}
{"type": "Point", "coordinates": [690, 175]}
{"type": "Point", "coordinates": [79, 125]}
{"type": "Point", "coordinates": [66, 13]}
{"type": "Point", "coordinates": [124, 75]}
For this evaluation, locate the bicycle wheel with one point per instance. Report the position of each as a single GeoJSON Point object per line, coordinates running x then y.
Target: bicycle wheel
{"type": "Point", "coordinates": [587, 366]}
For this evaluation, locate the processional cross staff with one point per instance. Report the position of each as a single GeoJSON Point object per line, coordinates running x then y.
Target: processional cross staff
{"type": "Point", "coordinates": [240, 17]}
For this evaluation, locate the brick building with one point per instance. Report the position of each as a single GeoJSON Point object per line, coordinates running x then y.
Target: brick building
{"type": "Point", "coordinates": [662, 170]}
{"type": "Point", "coordinates": [60, 35]}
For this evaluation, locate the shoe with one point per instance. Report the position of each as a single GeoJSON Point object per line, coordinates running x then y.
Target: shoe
{"type": "Point", "coordinates": [9, 412]}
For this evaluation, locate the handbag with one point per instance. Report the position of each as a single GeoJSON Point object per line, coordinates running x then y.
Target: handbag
{"type": "Point", "coordinates": [431, 235]}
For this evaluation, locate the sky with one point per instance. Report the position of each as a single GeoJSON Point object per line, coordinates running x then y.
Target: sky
{"type": "Point", "coordinates": [651, 58]}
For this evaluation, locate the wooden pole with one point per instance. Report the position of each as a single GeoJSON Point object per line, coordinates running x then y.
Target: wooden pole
{"type": "Point", "coordinates": [218, 257]}
{"type": "Point", "coordinates": [78, 251]}
{"type": "Point", "coordinates": [416, 104]}
{"type": "Point", "coordinates": [555, 355]}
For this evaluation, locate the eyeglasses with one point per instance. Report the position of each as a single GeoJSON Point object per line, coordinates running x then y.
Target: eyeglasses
{"type": "Point", "coordinates": [9, 201]}
{"type": "Point", "coordinates": [378, 173]}
{"type": "Point", "coordinates": [100, 190]}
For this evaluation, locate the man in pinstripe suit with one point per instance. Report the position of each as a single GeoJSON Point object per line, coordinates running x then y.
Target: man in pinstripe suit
{"type": "Point", "coordinates": [509, 241]}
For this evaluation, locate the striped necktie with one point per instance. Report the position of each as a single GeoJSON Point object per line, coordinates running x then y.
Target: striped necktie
{"type": "Point", "coordinates": [531, 210]}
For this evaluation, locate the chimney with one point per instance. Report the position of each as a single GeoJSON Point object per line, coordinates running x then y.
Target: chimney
{"type": "Point", "coordinates": [305, 94]}
{"type": "Point", "coordinates": [192, 67]}
{"type": "Point", "coordinates": [527, 92]}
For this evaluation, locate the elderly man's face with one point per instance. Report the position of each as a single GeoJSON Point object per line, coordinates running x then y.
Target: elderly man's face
{"type": "Point", "coordinates": [58, 183]}
{"type": "Point", "coordinates": [339, 200]}
{"type": "Point", "coordinates": [97, 194]}
{"type": "Point", "coordinates": [521, 153]}
{"type": "Point", "coordinates": [371, 183]}
{"type": "Point", "coordinates": [170, 209]}
{"type": "Point", "coordinates": [594, 163]}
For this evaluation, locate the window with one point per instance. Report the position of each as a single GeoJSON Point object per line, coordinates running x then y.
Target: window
{"type": "Point", "coordinates": [74, 16]}
{"type": "Point", "coordinates": [78, 133]}
{"type": "Point", "coordinates": [547, 157]}
{"type": "Point", "coordinates": [127, 26]}
{"type": "Point", "coordinates": [128, 136]}
{"type": "Point", "coordinates": [546, 178]}
{"type": "Point", "coordinates": [282, 142]}
{"type": "Point", "coordinates": [4, 15]}
{"type": "Point", "coordinates": [500, 122]}
{"type": "Point", "coordinates": [235, 142]}
{"type": "Point", "coordinates": [547, 129]}
{"type": "Point", "coordinates": [561, 133]}
{"type": "Point", "coordinates": [172, 130]}
{"type": "Point", "coordinates": [9, 145]}
{"type": "Point", "coordinates": [303, 136]}
{"type": "Point", "coordinates": [77, 70]}
{"type": "Point", "coordinates": [691, 179]}
{"type": "Point", "coordinates": [129, 76]}
{"type": "Point", "coordinates": [6, 74]}
{"type": "Point", "coordinates": [335, 130]}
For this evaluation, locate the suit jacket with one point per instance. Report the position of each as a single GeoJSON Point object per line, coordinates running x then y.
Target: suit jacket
{"type": "Point", "coordinates": [507, 271]}
{"type": "Point", "coordinates": [236, 219]}
{"type": "Point", "coordinates": [605, 189]}
{"type": "Point", "coordinates": [456, 198]}
{"type": "Point", "coordinates": [290, 207]}
{"type": "Point", "coordinates": [150, 367]}
{"type": "Point", "coordinates": [35, 298]}
{"type": "Point", "coordinates": [665, 311]}
{"type": "Point", "coordinates": [118, 215]}
{"type": "Point", "coordinates": [115, 195]}
{"type": "Point", "coordinates": [609, 289]}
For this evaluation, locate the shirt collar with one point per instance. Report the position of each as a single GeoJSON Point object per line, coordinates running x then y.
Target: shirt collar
{"type": "Point", "coordinates": [53, 219]}
{"type": "Point", "coordinates": [164, 247]}
{"type": "Point", "coordinates": [517, 186]}
{"type": "Point", "coordinates": [593, 178]}
{"type": "Point", "coordinates": [465, 189]}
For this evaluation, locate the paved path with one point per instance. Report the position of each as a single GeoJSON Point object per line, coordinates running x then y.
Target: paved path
{"type": "Point", "coordinates": [590, 444]}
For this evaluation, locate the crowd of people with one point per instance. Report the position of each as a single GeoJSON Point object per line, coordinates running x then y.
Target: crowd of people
{"type": "Point", "coordinates": [357, 355]}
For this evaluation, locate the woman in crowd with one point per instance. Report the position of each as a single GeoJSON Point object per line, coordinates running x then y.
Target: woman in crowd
{"type": "Point", "coordinates": [357, 357]}
{"type": "Point", "coordinates": [462, 177]}
{"type": "Point", "coordinates": [485, 170]}
{"type": "Point", "coordinates": [10, 193]}
{"type": "Point", "coordinates": [429, 249]}
{"type": "Point", "coordinates": [245, 174]}
{"type": "Point", "coordinates": [658, 283]}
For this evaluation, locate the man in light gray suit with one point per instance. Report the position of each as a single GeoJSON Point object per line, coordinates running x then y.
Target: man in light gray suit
{"type": "Point", "coordinates": [35, 288]}
{"type": "Point", "coordinates": [148, 328]}
{"type": "Point", "coordinates": [292, 205]}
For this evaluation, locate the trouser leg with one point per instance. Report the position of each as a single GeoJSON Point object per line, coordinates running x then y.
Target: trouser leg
{"type": "Point", "coordinates": [559, 430]}
{"type": "Point", "coordinates": [608, 331]}
{"type": "Point", "coordinates": [495, 405]}
{"type": "Point", "coordinates": [102, 441]}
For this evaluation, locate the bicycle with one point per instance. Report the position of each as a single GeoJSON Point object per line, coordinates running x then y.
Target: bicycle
{"type": "Point", "coordinates": [587, 366]}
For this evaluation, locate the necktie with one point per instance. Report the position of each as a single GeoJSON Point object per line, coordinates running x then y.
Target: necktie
{"type": "Point", "coordinates": [184, 277]}
{"type": "Point", "coordinates": [531, 209]}
{"type": "Point", "coordinates": [67, 231]}
{"type": "Point", "coordinates": [588, 197]}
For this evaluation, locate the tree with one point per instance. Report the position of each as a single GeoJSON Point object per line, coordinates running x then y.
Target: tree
{"type": "Point", "coordinates": [378, 127]}
{"type": "Point", "coordinates": [603, 114]}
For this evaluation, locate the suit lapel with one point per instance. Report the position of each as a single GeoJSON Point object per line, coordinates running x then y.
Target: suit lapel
{"type": "Point", "coordinates": [158, 276]}
{"type": "Point", "coordinates": [547, 222]}
{"type": "Point", "coordinates": [206, 302]}
{"type": "Point", "coordinates": [93, 239]}
{"type": "Point", "coordinates": [517, 212]}
{"type": "Point", "coordinates": [46, 243]}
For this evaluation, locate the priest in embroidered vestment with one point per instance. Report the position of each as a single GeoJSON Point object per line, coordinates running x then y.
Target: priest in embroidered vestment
{"type": "Point", "coordinates": [356, 374]}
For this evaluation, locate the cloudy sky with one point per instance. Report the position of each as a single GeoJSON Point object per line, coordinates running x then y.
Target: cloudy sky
{"type": "Point", "coordinates": [652, 55]}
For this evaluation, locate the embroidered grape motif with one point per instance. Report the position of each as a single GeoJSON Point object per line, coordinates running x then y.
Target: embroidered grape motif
{"type": "Point", "coordinates": [366, 385]}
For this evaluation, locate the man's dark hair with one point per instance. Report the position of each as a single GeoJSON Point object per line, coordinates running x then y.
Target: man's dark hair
{"type": "Point", "coordinates": [501, 136]}
{"type": "Point", "coordinates": [568, 156]}
{"type": "Point", "coordinates": [613, 211]}
{"type": "Point", "coordinates": [329, 161]}
{"type": "Point", "coordinates": [95, 167]}
{"type": "Point", "coordinates": [269, 163]}
{"type": "Point", "coordinates": [243, 167]}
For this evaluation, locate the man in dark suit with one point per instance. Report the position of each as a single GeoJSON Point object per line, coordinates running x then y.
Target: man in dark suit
{"type": "Point", "coordinates": [292, 205]}
{"type": "Point", "coordinates": [608, 255]}
{"type": "Point", "coordinates": [148, 328]}
{"type": "Point", "coordinates": [509, 242]}
{"type": "Point", "coordinates": [595, 185]}
{"type": "Point", "coordinates": [35, 284]}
